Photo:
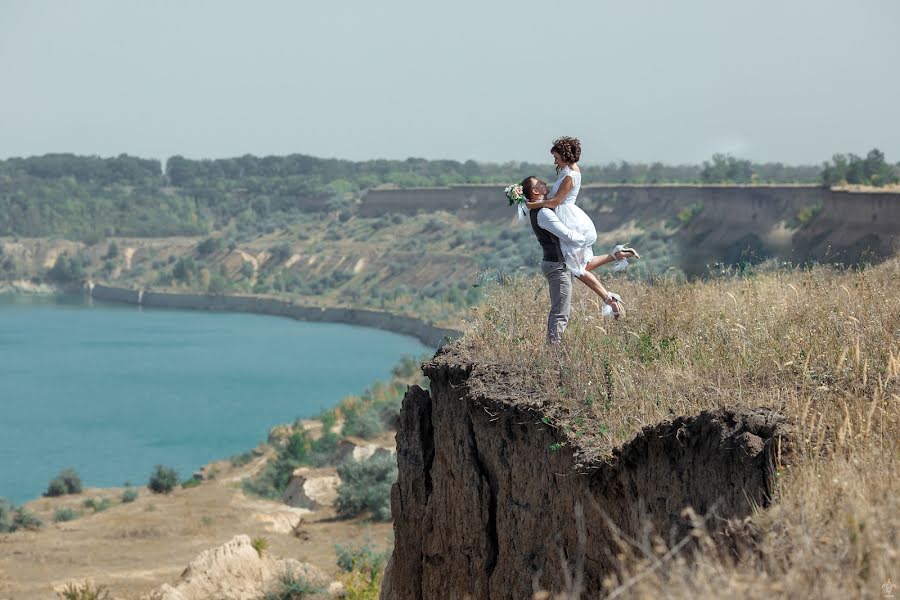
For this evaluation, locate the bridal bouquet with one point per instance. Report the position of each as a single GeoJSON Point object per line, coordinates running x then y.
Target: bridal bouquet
{"type": "Point", "coordinates": [515, 194]}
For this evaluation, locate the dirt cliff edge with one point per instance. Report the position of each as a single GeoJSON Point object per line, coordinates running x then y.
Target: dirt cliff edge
{"type": "Point", "coordinates": [485, 502]}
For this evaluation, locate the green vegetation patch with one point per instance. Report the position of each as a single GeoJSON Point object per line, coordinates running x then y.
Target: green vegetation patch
{"type": "Point", "coordinates": [366, 487]}
{"type": "Point", "coordinates": [162, 480]}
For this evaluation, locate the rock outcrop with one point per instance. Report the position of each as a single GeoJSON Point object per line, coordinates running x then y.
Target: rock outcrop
{"type": "Point", "coordinates": [486, 503]}
{"type": "Point", "coordinates": [312, 488]}
{"type": "Point", "coordinates": [236, 571]}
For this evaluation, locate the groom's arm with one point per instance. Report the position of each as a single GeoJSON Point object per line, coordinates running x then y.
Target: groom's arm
{"type": "Point", "coordinates": [548, 220]}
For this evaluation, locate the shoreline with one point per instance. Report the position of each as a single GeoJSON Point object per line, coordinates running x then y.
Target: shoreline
{"type": "Point", "coordinates": [426, 333]}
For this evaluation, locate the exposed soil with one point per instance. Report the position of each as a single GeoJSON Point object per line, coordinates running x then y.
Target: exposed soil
{"type": "Point", "coordinates": [492, 502]}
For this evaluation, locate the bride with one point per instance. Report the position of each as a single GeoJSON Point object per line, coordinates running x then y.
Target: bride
{"type": "Point", "coordinates": [561, 197]}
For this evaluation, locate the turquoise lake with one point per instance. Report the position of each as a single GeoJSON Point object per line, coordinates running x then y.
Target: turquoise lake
{"type": "Point", "coordinates": [114, 390]}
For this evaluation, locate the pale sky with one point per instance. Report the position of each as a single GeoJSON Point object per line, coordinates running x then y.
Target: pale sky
{"type": "Point", "coordinates": [640, 80]}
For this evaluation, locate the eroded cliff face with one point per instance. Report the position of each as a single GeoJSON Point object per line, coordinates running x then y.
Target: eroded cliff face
{"type": "Point", "coordinates": [485, 507]}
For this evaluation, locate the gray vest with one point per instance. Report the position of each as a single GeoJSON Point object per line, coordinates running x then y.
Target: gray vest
{"type": "Point", "coordinates": [549, 242]}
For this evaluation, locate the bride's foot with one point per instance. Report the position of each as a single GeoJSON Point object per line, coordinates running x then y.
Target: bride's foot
{"type": "Point", "coordinates": [620, 255]}
{"type": "Point", "coordinates": [623, 251]}
{"type": "Point", "coordinates": [613, 306]}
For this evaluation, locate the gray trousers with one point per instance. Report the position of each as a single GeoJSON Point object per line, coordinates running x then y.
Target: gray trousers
{"type": "Point", "coordinates": [560, 280]}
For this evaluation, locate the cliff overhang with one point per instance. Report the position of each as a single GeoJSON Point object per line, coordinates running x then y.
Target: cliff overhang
{"type": "Point", "coordinates": [492, 501]}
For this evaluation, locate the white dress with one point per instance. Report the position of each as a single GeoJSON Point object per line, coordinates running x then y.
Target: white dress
{"type": "Point", "coordinates": [576, 256]}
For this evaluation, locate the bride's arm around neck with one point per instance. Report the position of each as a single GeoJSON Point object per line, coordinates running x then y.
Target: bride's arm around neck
{"type": "Point", "coordinates": [564, 188]}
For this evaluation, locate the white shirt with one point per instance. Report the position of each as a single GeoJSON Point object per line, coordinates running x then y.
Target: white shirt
{"type": "Point", "coordinates": [547, 219]}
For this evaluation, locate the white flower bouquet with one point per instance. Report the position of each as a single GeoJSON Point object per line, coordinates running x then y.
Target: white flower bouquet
{"type": "Point", "coordinates": [515, 194]}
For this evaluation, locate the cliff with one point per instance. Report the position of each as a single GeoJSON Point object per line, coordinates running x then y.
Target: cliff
{"type": "Point", "coordinates": [492, 502]}
{"type": "Point", "coordinates": [707, 223]}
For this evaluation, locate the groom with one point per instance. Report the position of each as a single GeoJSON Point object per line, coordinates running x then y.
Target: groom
{"type": "Point", "coordinates": [549, 229]}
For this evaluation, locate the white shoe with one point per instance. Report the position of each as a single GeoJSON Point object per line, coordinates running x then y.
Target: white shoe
{"type": "Point", "coordinates": [621, 265]}
{"type": "Point", "coordinates": [613, 307]}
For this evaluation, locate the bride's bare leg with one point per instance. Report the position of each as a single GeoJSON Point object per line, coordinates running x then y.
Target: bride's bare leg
{"type": "Point", "coordinates": [599, 261]}
{"type": "Point", "coordinates": [590, 280]}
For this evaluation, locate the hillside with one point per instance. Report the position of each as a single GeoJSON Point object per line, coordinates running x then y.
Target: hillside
{"type": "Point", "coordinates": [428, 253]}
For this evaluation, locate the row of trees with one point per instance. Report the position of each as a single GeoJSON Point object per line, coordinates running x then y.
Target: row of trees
{"type": "Point", "coordinates": [853, 169]}
{"type": "Point", "coordinates": [122, 169]}
{"type": "Point", "coordinates": [89, 198]}
{"type": "Point", "coordinates": [344, 175]}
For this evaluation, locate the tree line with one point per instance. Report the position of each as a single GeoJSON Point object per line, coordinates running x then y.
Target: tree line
{"type": "Point", "coordinates": [849, 168]}
{"type": "Point", "coordinates": [89, 197]}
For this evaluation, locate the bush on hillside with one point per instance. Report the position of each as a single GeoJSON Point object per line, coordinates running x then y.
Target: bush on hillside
{"type": "Point", "coordinates": [129, 495]}
{"type": "Point", "coordinates": [85, 591]}
{"type": "Point", "coordinates": [97, 504]}
{"type": "Point", "coordinates": [13, 518]}
{"type": "Point", "coordinates": [292, 587]}
{"type": "Point", "coordinates": [6, 512]}
{"type": "Point", "coordinates": [62, 515]}
{"type": "Point", "coordinates": [364, 422]}
{"type": "Point", "coordinates": [360, 558]}
{"type": "Point", "coordinates": [67, 482]}
{"type": "Point", "coordinates": [24, 519]}
{"type": "Point", "coordinates": [366, 486]}
{"type": "Point", "coordinates": [162, 480]}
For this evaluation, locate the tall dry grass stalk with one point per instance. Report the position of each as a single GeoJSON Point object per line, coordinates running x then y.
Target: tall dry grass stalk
{"type": "Point", "coordinates": [821, 346]}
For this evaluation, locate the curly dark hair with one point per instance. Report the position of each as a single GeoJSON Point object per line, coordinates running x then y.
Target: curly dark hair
{"type": "Point", "coordinates": [568, 148]}
{"type": "Point", "coordinates": [528, 185]}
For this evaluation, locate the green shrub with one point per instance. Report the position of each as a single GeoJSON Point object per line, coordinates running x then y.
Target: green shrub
{"type": "Point", "coordinates": [129, 495]}
{"type": "Point", "coordinates": [323, 450]}
{"type": "Point", "coordinates": [260, 544]}
{"type": "Point", "coordinates": [6, 511]}
{"type": "Point", "coordinates": [86, 591]}
{"type": "Point", "coordinates": [239, 460]}
{"type": "Point", "coordinates": [64, 514]}
{"type": "Point", "coordinates": [190, 483]}
{"type": "Point", "coordinates": [97, 504]}
{"type": "Point", "coordinates": [361, 558]}
{"type": "Point", "coordinates": [366, 486]}
{"type": "Point", "coordinates": [67, 482]}
{"type": "Point", "coordinates": [209, 245]}
{"type": "Point", "coordinates": [162, 480]}
{"type": "Point", "coordinates": [26, 520]}
{"type": "Point", "coordinates": [13, 518]}
{"type": "Point", "coordinates": [328, 418]}
{"type": "Point", "coordinates": [364, 422]}
{"type": "Point", "coordinates": [689, 213]}
{"type": "Point", "coordinates": [292, 587]}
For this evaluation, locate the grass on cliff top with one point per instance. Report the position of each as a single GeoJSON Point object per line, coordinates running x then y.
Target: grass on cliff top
{"type": "Point", "coordinates": [821, 346]}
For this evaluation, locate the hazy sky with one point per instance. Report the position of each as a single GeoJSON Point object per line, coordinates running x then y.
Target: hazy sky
{"type": "Point", "coordinates": [787, 80]}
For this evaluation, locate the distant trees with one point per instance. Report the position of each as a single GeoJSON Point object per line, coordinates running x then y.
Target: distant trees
{"type": "Point", "coordinates": [91, 198]}
{"type": "Point", "coordinates": [210, 245]}
{"type": "Point", "coordinates": [849, 168]}
{"type": "Point", "coordinates": [725, 168]}
{"type": "Point", "coordinates": [67, 269]}
{"type": "Point", "coordinates": [123, 169]}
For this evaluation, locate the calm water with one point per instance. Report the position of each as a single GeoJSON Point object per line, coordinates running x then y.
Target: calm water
{"type": "Point", "coordinates": [114, 390]}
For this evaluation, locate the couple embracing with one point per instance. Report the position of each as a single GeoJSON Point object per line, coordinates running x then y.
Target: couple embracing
{"type": "Point", "coordinates": [566, 235]}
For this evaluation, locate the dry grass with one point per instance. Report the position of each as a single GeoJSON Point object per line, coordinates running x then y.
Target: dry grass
{"type": "Point", "coordinates": [821, 346]}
